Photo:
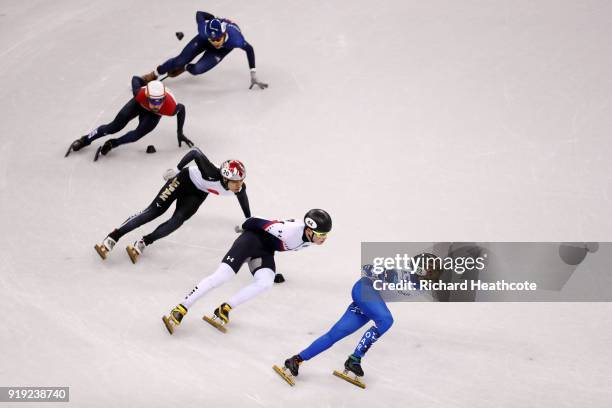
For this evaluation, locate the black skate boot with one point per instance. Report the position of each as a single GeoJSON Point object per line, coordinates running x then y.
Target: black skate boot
{"type": "Point", "coordinates": [353, 364]}
{"type": "Point", "coordinates": [107, 147]}
{"type": "Point", "coordinates": [78, 144]}
{"type": "Point", "coordinates": [222, 312]}
{"type": "Point", "coordinates": [104, 149]}
{"type": "Point", "coordinates": [174, 318]}
{"type": "Point", "coordinates": [290, 370]}
{"type": "Point", "coordinates": [352, 371]}
{"type": "Point", "coordinates": [293, 364]}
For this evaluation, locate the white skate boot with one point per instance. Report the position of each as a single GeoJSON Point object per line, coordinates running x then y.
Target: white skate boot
{"type": "Point", "coordinates": [106, 246]}
{"type": "Point", "coordinates": [134, 251]}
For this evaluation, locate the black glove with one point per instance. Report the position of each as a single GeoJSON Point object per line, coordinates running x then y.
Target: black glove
{"type": "Point", "coordinates": [182, 138]}
{"type": "Point", "coordinates": [279, 278]}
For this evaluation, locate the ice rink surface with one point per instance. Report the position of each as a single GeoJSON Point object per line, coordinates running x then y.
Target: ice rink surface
{"type": "Point", "coordinates": [409, 120]}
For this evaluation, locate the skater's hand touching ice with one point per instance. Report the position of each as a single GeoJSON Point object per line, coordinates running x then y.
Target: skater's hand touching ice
{"type": "Point", "coordinates": [254, 81]}
{"type": "Point", "coordinates": [182, 138]}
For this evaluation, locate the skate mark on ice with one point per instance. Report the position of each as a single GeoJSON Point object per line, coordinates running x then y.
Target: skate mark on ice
{"type": "Point", "coordinates": [256, 399]}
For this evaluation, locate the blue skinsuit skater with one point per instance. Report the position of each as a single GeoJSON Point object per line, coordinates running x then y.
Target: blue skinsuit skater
{"type": "Point", "coordinates": [367, 306]}
{"type": "Point", "coordinates": [216, 38]}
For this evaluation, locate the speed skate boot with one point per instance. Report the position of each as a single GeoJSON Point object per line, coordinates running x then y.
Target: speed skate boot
{"type": "Point", "coordinates": [293, 364]}
{"type": "Point", "coordinates": [106, 246]}
{"type": "Point", "coordinates": [104, 149]}
{"type": "Point", "coordinates": [290, 370]}
{"type": "Point", "coordinates": [220, 317]}
{"type": "Point", "coordinates": [78, 144]}
{"type": "Point", "coordinates": [353, 364]}
{"type": "Point", "coordinates": [352, 371]}
{"type": "Point", "coordinates": [174, 318]}
{"type": "Point", "coordinates": [222, 313]}
{"type": "Point", "coordinates": [107, 147]}
{"type": "Point", "coordinates": [134, 251]}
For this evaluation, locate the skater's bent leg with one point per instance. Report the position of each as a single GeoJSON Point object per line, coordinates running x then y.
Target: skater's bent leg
{"type": "Point", "coordinates": [137, 83]}
{"type": "Point", "coordinates": [264, 279]}
{"type": "Point", "coordinates": [352, 320]}
{"type": "Point", "coordinates": [193, 48]}
{"type": "Point", "coordinates": [136, 220]}
{"type": "Point", "coordinates": [164, 199]}
{"type": "Point", "coordinates": [223, 273]}
{"type": "Point", "coordinates": [129, 111]}
{"type": "Point", "coordinates": [185, 208]}
{"type": "Point", "coordinates": [208, 61]}
{"type": "Point", "coordinates": [383, 320]}
{"type": "Point", "coordinates": [148, 121]}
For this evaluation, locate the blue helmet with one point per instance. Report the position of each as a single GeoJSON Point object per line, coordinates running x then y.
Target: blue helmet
{"type": "Point", "coordinates": [215, 29]}
{"type": "Point", "coordinates": [367, 271]}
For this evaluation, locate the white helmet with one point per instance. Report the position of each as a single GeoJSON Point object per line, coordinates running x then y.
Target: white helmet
{"type": "Point", "coordinates": [233, 170]}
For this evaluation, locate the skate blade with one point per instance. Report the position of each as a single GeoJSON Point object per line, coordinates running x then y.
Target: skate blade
{"type": "Point", "coordinates": [69, 150]}
{"type": "Point", "coordinates": [168, 324]}
{"type": "Point", "coordinates": [132, 253]}
{"type": "Point", "coordinates": [282, 373]}
{"type": "Point", "coordinates": [354, 381]}
{"type": "Point", "coordinates": [97, 153]}
{"type": "Point", "coordinates": [213, 323]}
{"type": "Point", "coordinates": [101, 250]}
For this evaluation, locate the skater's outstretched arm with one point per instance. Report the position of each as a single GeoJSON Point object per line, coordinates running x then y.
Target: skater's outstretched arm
{"type": "Point", "coordinates": [137, 83]}
{"type": "Point", "coordinates": [202, 16]}
{"type": "Point", "coordinates": [269, 226]}
{"type": "Point", "coordinates": [289, 234]}
{"type": "Point", "coordinates": [180, 117]}
{"type": "Point", "coordinates": [255, 223]}
{"type": "Point", "coordinates": [243, 199]}
{"type": "Point", "coordinates": [248, 48]}
{"type": "Point", "coordinates": [207, 169]}
{"type": "Point", "coordinates": [250, 52]}
{"type": "Point", "coordinates": [180, 113]}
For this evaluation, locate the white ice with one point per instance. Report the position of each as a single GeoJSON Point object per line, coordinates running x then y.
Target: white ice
{"type": "Point", "coordinates": [442, 120]}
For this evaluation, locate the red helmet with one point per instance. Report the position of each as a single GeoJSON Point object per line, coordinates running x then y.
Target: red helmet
{"type": "Point", "coordinates": [233, 170]}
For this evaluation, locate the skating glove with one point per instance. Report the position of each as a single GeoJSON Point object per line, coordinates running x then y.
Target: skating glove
{"type": "Point", "coordinates": [254, 81]}
{"type": "Point", "coordinates": [182, 138]}
{"type": "Point", "coordinates": [170, 174]}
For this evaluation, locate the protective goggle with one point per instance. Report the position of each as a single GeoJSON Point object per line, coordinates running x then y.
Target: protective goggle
{"type": "Point", "coordinates": [320, 234]}
{"type": "Point", "coordinates": [157, 102]}
{"type": "Point", "coordinates": [217, 41]}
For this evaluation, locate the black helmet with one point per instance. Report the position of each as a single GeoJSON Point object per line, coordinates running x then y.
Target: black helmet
{"type": "Point", "coordinates": [318, 220]}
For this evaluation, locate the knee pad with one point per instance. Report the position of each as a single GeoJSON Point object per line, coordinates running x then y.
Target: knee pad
{"type": "Point", "coordinates": [264, 278]}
